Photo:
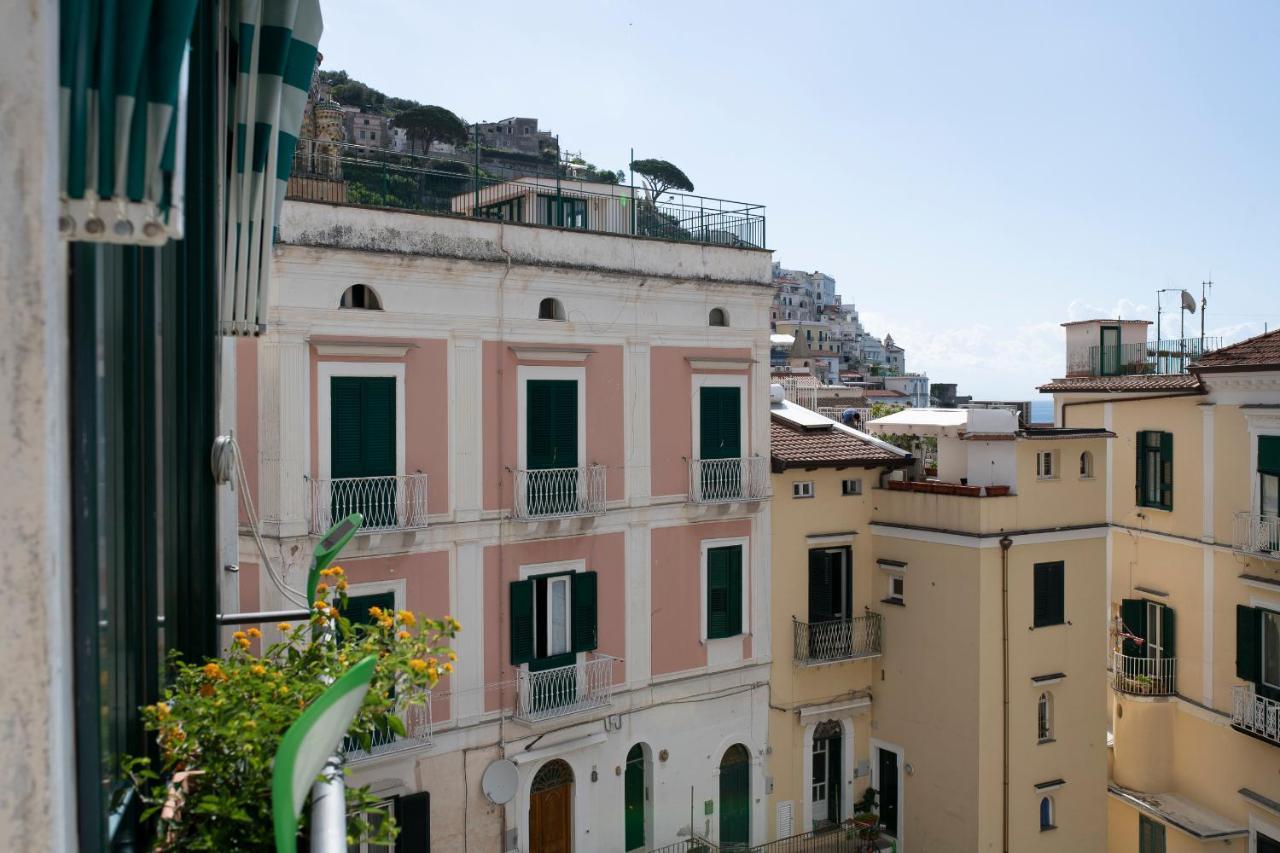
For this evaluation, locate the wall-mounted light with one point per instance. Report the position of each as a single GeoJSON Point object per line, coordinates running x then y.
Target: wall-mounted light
{"type": "Point", "coordinates": [663, 755]}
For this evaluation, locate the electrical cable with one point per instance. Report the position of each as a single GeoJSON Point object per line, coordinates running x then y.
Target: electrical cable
{"type": "Point", "coordinates": [231, 447]}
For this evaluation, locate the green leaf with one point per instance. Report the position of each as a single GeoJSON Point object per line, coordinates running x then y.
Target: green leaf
{"type": "Point", "coordinates": [396, 724]}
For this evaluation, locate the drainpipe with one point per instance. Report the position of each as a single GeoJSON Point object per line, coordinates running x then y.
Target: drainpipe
{"type": "Point", "coordinates": [1005, 544]}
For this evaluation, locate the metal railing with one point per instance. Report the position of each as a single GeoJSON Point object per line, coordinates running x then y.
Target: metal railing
{"type": "Point", "coordinates": [1149, 357]}
{"type": "Point", "coordinates": [416, 717]}
{"type": "Point", "coordinates": [836, 640]}
{"type": "Point", "coordinates": [860, 414]}
{"type": "Point", "coordinates": [565, 689]}
{"type": "Point", "coordinates": [849, 837]}
{"type": "Point", "coordinates": [559, 492]}
{"type": "Point", "coordinates": [1140, 676]}
{"type": "Point", "coordinates": [1257, 534]}
{"type": "Point", "coordinates": [398, 502]}
{"type": "Point", "coordinates": [1255, 714]}
{"type": "Point", "coordinates": [743, 478]}
{"type": "Point", "coordinates": [539, 195]}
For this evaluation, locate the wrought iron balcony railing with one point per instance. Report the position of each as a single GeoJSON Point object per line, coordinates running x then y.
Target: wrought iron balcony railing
{"type": "Point", "coordinates": [721, 480]}
{"type": "Point", "coordinates": [1255, 714]}
{"type": "Point", "coordinates": [559, 492]}
{"type": "Point", "coordinates": [1149, 357]}
{"type": "Point", "coordinates": [415, 715]}
{"type": "Point", "coordinates": [1139, 676]}
{"type": "Point", "coordinates": [564, 690]}
{"type": "Point", "coordinates": [836, 639]}
{"type": "Point", "coordinates": [1257, 534]}
{"type": "Point", "coordinates": [397, 502]}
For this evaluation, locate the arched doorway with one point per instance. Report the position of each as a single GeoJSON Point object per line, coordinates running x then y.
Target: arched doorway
{"type": "Point", "coordinates": [551, 809]}
{"type": "Point", "coordinates": [735, 797]}
{"type": "Point", "coordinates": [827, 779]}
{"type": "Point", "coordinates": [636, 799]}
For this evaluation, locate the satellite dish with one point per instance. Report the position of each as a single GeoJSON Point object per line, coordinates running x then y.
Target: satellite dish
{"type": "Point", "coordinates": [500, 780]}
{"type": "Point", "coordinates": [1188, 302]}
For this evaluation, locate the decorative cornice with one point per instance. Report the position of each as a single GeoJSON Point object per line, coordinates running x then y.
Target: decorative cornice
{"type": "Point", "coordinates": [573, 355]}
{"type": "Point", "coordinates": [362, 349]}
{"type": "Point", "coordinates": [720, 363]}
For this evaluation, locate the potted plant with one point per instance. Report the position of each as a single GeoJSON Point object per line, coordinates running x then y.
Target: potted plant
{"type": "Point", "coordinates": [221, 721]}
{"type": "Point", "coordinates": [866, 817]}
{"type": "Point", "coordinates": [996, 491]}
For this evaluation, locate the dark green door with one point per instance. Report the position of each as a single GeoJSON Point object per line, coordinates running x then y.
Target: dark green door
{"type": "Point", "coordinates": [720, 437]}
{"type": "Point", "coordinates": [1109, 351]}
{"type": "Point", "coordinates": [889, 792]}
{"type": "Point", "coordinates": [551, 441]}
{"type": "Point", "coordinates": [633, 785]}
{"type": "Point", "coordinates": [362, 420]}
{"type": "Point", "coordinates": [735, 797]}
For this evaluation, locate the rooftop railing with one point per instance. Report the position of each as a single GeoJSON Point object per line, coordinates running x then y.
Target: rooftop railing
{"type": "Point", "coordinates": [397, 502]}
{"type": "Point", "coordinates": [341, 173]}
{"type": "Point", "coordinates": [1255, 714]}
{"type": "Point", "coordinates": [1148, 357]}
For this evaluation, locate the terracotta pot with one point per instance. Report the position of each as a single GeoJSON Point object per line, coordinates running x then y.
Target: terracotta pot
{"type": "Point", "coordinates": [969, 491]}
{"type": "Point", "coordinates": [945, 488]}
{"type": "Point", "coordinates": [997, 491]}
{"type": "Point", "coordinates": [899, 486]}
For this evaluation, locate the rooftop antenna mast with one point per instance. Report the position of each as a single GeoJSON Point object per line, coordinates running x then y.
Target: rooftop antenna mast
{"type": "Point", "coordinates": [1206, 287]}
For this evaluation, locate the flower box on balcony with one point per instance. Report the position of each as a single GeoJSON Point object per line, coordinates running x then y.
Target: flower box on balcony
{"type": "Point", "coordinates": [900, 486]}
{"type": "Point", "coordinates": [996, 491]}
{"type": "Point", "coordinates": [969, 491]}
{"type": "Point", "coordinates": [945, 488]}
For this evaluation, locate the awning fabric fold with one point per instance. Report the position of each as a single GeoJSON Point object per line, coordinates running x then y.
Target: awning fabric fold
{"type": "Point", "coordinates": [120, 80]}
{"type": "Point", "coordinates": [274, 46]}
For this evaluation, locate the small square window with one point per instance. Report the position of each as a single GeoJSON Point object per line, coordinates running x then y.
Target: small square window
{"type": "Point", "coordinates": [851, 487]}
{"type": "Point", "coordinates": [802, 489]}
{"type": "Point", "coordinates": [1047, 465]}
{"type": "Point", "coordinates": [897, 588]}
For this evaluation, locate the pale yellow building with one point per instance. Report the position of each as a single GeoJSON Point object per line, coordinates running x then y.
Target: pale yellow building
{"type": "Point", "coordinates": [825, 600]}
{"type": "Point", "coordinates": [1193, 569]}
{"type": "Point", "coordinates": [989, 715]}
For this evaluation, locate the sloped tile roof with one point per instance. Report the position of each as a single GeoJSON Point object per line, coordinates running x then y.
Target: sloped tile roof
{"type": "Point", "coordinates": [1123, 384]}
{"type": "Point", "coordinates": [794, 446]}
{"type": "Point", "coordinates": [1258, 352]}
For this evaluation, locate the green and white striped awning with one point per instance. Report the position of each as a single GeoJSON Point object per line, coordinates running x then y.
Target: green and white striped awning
{"type": "Point", "coordinates": [120, 78]}
{"type": "Point", "coordinates": [274, 45]}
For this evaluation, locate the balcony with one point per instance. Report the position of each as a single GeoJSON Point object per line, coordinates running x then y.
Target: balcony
{"type": "Point", "coordinates": [724, 480]}
{"type": "Point", "coordinates": [1258, 535]}
{"type": "Point", "coordinates": [1148, 357]}
{"type": "Point", "coordinates": [1140, 676]}
{"type": "Point", "coordinates": [416, 717]}
{"type": "Point", "coordinates": [387, 503]}
{"type": "Point", "coordinates": [559, 492]}
{"type": "Point", "coordinates": [1254, 714]}
{"type": "Point", "coordinates": [819, 643]}
{"type": "Point", "coordinates": [564, 690]}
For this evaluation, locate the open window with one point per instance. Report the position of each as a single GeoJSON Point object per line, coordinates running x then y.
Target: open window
{"type": "Point", "coordinates": [360, 296]}
{"type": "Point", "coordinates": [553, 617]}
{"type": "Point", "coordinates": [1044, 718]}
{"type": "Point", "coordinates": [1155, 469]}
{"type": "Point", "coordinates": [1086, 466]}
{"type": "Point", "coordinates": [550, 309]}
{"type": "Point", "coordinates": [1258, 649]}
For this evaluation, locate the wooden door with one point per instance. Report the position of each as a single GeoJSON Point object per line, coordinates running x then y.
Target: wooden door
{"type": "Point", "coordinates": [550, 820]}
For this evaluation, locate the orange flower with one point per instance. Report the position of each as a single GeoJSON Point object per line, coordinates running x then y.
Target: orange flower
{"type": "Point", "coordinates": [212, 670]}
{"type": "Point", "coordinates": [342, 586]}
{"type": "Point", "coordinates": [321, 605]}
{"type": "Point", "coordinates": [375, 612]}
{"type": "Point", "coordinates": [322, 588]}
{"type": "Point", "coordinates": [407, 618]}
{"type": "Point", "coordinates": [333, 611]}
{"type": "Point", "coordinates": [404, 635]}
{"type": "Point", "coordinates": [206, 690]}
{"type": "Point", "coordinates": [452, 655]}
{"type": "Point", "coordinates": [284, 627]}
{"type": "Point", "coordinates": [448, 667]}
{"type": "Point", "coordinates": [239, 635]}
{"type": "Point", "coordinates": [417, 664]}
{"type": "Point", "coordinates": [255, 633]}
{"type": "Point", "coordinates": [258, 669]}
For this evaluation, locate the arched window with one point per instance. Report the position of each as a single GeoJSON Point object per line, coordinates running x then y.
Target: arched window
{"type": "Point", "coordinates": [550, 309]}
{"type": "Point", "coordinates": [360, 296]}
{"type": "Point", "coordinates": [718, 317]}
{"type": "Point", "coordinates": [1044, 717]}
{"type": "Point", "coordinates": [1086, 465]}
{"type": "Point", "coordinates": [1046, 813]}
{"type": "Point", "coordinates": [553, 774]}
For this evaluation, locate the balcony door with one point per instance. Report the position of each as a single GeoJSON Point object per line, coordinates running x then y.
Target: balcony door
{"type": "Point", "coordinates": [551, 442]}
{"type": "Point", "coordinates": [830, 585]}
{"type": "Point", "coordinates": [1109, 351]}
{"type": "Point", "coordinates": [887, 778]}
{"type": "Point", "coordinates": [720, 438]}
{"type": "Point", "coordinates": [362, 458]}
{"type": "Point", "coordinates": [827, 778]}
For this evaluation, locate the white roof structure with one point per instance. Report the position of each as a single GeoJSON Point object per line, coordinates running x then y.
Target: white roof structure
{"type": "Point", "coordinates": [810, 419]}
{"type": "Point", "coordinates": [782, 339]}
{"type": "Point", "coordinates": [945, 422]}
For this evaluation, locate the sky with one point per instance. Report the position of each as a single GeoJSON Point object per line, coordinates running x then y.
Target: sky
{"type": "Point", "coordinates": [972, 174]}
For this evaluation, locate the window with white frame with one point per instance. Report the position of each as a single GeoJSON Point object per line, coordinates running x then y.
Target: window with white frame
{"type": "Point", "coordinates": [1044, 718]}
{"type": "Point", "coordinates": [851, 487]}
{"type": "Point", "coordinates": [1047, 465]}
{"type": "Point", "coordinates": [897, 588]}
{"type": "Point", "coordinates": [1046, 814]}
{"type": "Point", "coordinates": [724, 590]}
{"type": "Point", "coordinates": [802, 489]}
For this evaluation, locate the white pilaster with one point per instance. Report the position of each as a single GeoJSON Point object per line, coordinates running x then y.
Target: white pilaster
{"type": "Point", "coordinates": [466, 435]}
{"type": "Point", "coordinates": [1106, 424]}
{"type": "Point", "coordinates": [639, 483]}
{"type": "Point", "coordinates": [468, 561]}
{"type": "Point", "coordinates": [1206, 453]}
{"type": "Point", "coordinates": [638, 607]}
{"type": "Point", "coordinates": [284, 431]}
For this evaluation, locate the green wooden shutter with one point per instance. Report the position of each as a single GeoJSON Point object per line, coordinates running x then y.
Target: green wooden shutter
{"type": "Point", "coordinates": [1248, 643]}
{"type": "Point", "coordinates": [733, 574]}
{"type": "Point", "coordinates": [1048, 604]}
{"type": "Point", "coordinates": [551, 423]}
{"type": "Point", "coordinates": [346, 441]}
{"type": "Point", "coordinates": [717, 595]}
{"type": "Point", "coordinates": [362, 417]}
{"type": "Point", "coordinates": [585, 634]}
{"type": "Point", "coordinates": [522, 628]}
{"type": "Point", "coordinates": [357, 609]}
{"type": "Point", "coordinates": [1133, 613]}
{"type": "Point", "coordinates": [720, 423]}
{"type": "Point", "coordinates": [1269, 454]}
{"type": "Point", "coordinates": [1140, 470]}
{"type": "Point", "coordinates": [821, 606]}
{"type": "Point", "coordinates": [413, 817]}
{"type": "Point", "coordinates": [1166, 470]}
{"type": "Point", "coordinates": [1168, 630]}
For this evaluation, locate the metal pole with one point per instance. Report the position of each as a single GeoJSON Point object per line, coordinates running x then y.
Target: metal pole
{"type": "Point", "coordinates": [475, 177]}
{"type": "Point", "coordinates": [1158, 292]}
{"type": "Point", "coordinates": [632, 171]}
{"type": "Point", "coordinates": [329, 809]}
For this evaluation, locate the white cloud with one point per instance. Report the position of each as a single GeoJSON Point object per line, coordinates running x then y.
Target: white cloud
{"type": "Point", "coordinates": [1124, 309]}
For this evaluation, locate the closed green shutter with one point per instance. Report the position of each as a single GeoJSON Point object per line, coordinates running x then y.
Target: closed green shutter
{"type": "Point", "coordinates": [522, 629]}
{"type": "Point", "coordinates": [1269, 454]}
{"type": "Point", "coordinates": [724, 592]}
{"type": "Point", "coordinates": [720, 423]}
{"type": "Point", "coordinates": [1048, 580]}
{"type": "Point", "coordinates": [1166, 470]}
{"type": "Point", "coordinates": [357, 609]}
{"type": "Point", "coordinates": [734, 577]}
{"type": "Point", "coordinates": [362, 426]}
{"type": "Point", "coordinates": [413, 817]}
{"type": "Point", "coordinates": [1140, 471]}
{"type": "Point", "coordinates": [1248, 643]}
{"type": "Point", "coordinates": [1133, 613]}
{"type": "Point", "coordinates": [821, 605]}
{"type": "Point", "coordinates": [585, 634]}
{"type": "Point", "coordinates": [551, 423]}
{"type": "Point", "coordinates": [1168, 632]}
